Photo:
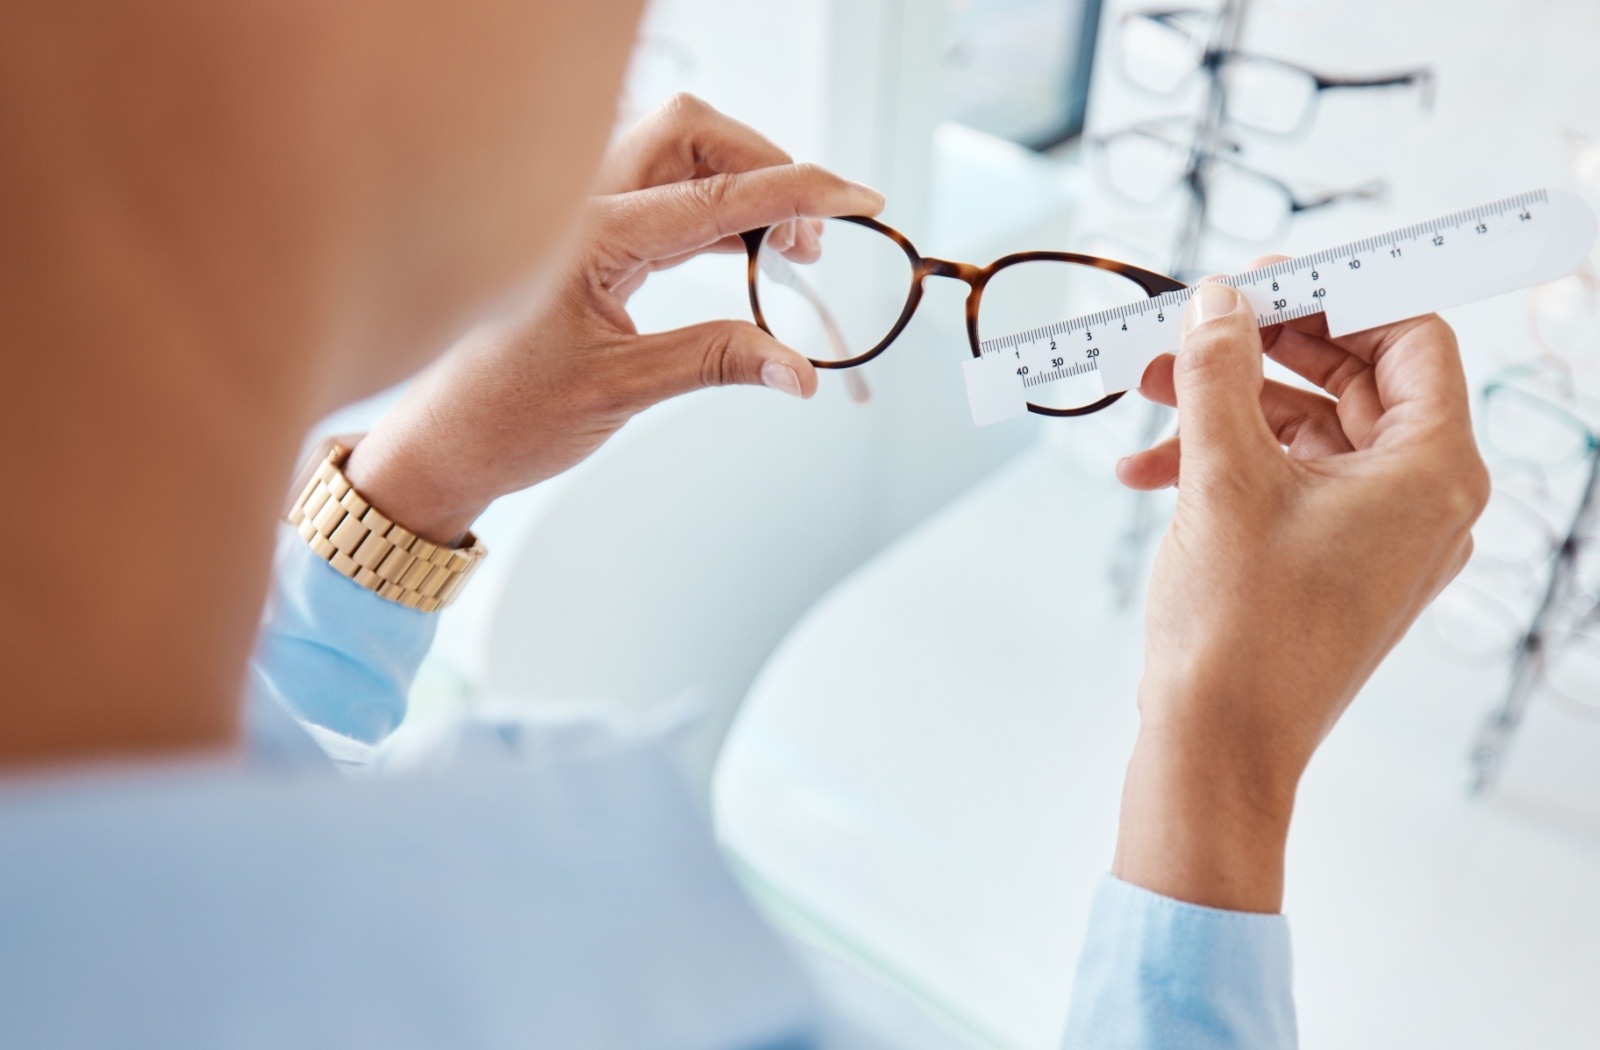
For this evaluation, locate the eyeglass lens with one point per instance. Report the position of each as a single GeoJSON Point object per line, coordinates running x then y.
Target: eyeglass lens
{"type": "Point", "coordinates": [831, 289]}
{"type": "Point", "coordinates": [836, 290]}
{"type": "Point", "coordinates": [1159, 54]}
{"type": "Point", "coordinates": [1530, 431]}
{"type": "Point", "coordinates": [1029, 295]}
{"type": "Point", "coordinates": [1266, 95]}
{"type": "Point", "coordinates": [1242, 204]}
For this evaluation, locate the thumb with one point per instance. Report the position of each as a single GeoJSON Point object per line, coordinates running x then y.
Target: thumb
{"type": "Point", "coordinates": [1218, 378]}
{"type": "Point", "coordinates": [721, 353]}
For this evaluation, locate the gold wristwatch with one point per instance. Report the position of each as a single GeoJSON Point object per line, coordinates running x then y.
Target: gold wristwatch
{"type": "Point", "coordinates": [361, 543]}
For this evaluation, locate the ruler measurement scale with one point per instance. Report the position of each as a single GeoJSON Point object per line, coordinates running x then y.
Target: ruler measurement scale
{"type": "Point", "coordinates": [1063, 371]}
{"type": "Point", "coordinates": [1468, 255]}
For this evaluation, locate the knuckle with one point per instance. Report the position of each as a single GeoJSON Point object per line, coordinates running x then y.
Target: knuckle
{"type": "Point", "coordinates": [710, 194]}
{"type": "Point", "coordinates": [719, 357]}
{"type": "Point", "coordinates": [1472, 496]}
{"type": "Point", "coordinates": [1454, 497]}
{"type": "Point", "coordinates": [809, 177]}
{"type": "Point", "coordinates": [685, 107]}
{"type": "Point", "coordinates": [1338, 381]}
{"type": "Point", "coordinates": [1206, 354]}
{"type": "Point", "coordinates": [1479, 487]}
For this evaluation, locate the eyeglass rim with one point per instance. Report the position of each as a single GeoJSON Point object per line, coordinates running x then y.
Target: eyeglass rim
{"type": "Point", "coordinates": [976, 278]}
{"type": "Point", "coordinates": [1506, 386]}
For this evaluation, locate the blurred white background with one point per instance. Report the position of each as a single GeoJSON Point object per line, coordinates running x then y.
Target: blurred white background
{"type": "Point", "coordinates": [906, 786]}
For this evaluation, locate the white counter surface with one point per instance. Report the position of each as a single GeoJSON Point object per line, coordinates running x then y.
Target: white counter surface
{"type": "Point", "coordinates": [925, 778]}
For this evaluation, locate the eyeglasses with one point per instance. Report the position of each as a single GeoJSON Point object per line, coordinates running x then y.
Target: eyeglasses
{"type": "Point", "coordinates": [1146, 162]}
{"type": "Point", "coordinates": [1532, 423]}
{"type": "Point", "coordinates": [1160, 52]}
{"type": "Point", "coordinates": [840, 291]}
{"type": "Point", "coordinates": [1531, 594]}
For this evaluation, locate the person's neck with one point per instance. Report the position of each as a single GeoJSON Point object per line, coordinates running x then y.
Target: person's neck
{"type": "Point", "coordinates": [146, 436]}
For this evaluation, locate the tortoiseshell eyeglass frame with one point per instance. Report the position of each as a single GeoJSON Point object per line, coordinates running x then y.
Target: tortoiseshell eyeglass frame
{"type": "Point", "coordinates": [976, 277]}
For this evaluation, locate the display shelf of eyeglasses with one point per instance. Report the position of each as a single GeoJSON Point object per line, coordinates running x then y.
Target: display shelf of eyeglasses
{"type": "Point", "coordinates": [1528, 602]}
{"type": "Point", "coordinates": [1186, 180]}
{"type": "Point", "coordinates": [1196, 160]}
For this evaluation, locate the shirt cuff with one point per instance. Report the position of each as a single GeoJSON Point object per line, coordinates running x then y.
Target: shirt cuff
{"type": "Point", "coordinates": [335, 654]}
{"type": "Point", "coordinates": [1157, 972]}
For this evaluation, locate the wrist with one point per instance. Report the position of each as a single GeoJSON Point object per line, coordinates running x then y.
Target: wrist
{"type": "Point", "coordinates": [420, 491]}
{"type": "Point", "coordinates": [1205, 819]}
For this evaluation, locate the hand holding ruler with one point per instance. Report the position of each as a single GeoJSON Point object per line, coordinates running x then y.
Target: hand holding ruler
{"type": "Point", "coordinates": [1460, 258]}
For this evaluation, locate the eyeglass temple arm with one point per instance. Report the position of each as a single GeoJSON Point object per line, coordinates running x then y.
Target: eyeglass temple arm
{"type": "Point", "coordinates": [1422, 78]}
{"type": "Point", "coordinates": [1171, 17]}
{"type": "Point", "coordinates": [778, 268]}
{"type": "Point", "coordinates": [1373, 189]}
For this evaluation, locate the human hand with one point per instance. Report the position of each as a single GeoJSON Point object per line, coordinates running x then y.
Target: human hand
{"type": "Point", "coordinates": [521, 400]}
{"type": "Point", "coordinates": [1285, 576]}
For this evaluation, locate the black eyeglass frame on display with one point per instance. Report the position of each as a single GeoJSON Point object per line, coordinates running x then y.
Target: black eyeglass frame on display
{"type": "Point", "coordinates": [1195, 178]}
{"type": "Point", "coordinates": [976, 279]}
{"type": "Point", "coordinates": [1545, 633]}
{"type": "Point", "coordinates": [1214, 60]}
{"type": "Point", "coordinates": [1217, 35]}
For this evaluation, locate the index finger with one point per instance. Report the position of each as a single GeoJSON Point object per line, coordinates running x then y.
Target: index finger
{"type": "Point", "coordinates": [1395, 383]}
{"type": "Point", "coordinates": [1420, 380]}
{"type": "Point", "coordinates": [682, 139]}
{"type": "Point", "coordinates": [667, 221]}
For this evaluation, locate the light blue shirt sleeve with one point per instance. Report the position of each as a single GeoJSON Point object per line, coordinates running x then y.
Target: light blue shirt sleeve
{"type": "Point", "coordinates": [1158, 973]}
{"type": "Point", "coordinates": [331, 653]}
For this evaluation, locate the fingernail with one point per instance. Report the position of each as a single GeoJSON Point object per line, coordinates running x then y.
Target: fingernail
{"type": "Point", "coordinates": [862, 188]}
{"type": "Point", "coordinates": [1209, 302]}
{"type": "Point", "coordinates": [780, 377]}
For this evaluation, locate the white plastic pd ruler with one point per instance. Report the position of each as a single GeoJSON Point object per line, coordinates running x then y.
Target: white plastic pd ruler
{"type": "Point", "coordinates": [1460, 258]}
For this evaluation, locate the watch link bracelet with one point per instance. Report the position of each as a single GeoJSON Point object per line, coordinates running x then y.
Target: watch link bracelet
{"type": "Point", "coordinates": [362, 544]}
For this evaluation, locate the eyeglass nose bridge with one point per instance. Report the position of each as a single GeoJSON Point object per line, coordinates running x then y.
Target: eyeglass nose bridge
{"type": "Point", "coordinates": [972, 275]}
